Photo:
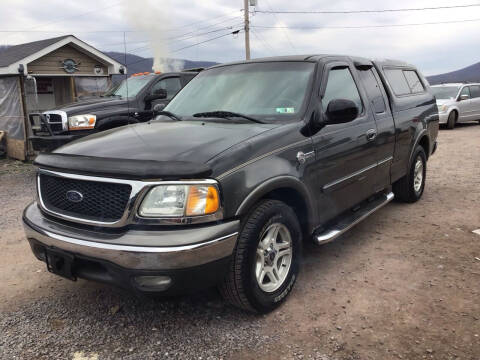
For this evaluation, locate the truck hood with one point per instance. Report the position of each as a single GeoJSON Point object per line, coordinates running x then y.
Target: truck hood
{"type": "Point", "coordinates": [194, 141]}
{"type": "Point", "coordinates": [92, 105]}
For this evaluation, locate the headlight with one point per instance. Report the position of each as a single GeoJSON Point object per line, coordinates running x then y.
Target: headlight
{"type": "Point", "coordinates": [442, 108]}
{"type": "Point", "coordinates": [81, 122]}
{"type": "Point", "coordinates": [180, 200]}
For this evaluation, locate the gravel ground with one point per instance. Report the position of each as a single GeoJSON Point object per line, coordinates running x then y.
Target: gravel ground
{"type": "Point", "coordinates": [403, 284]}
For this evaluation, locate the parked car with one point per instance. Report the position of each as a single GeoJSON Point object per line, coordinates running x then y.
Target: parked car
{"type": "Point", "coordinates": [132, 101]}
{"type": "Point", "coordinates": [457, 103]}
{"type": "Point", "coordinates": [246, 161]}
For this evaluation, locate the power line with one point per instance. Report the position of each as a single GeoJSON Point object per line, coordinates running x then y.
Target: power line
{"type": "Point", "coordinates": [264, 42]}
{"type": "Point", "coordinates": [189, 46]}
{"type": "Point", "coordinates": [365, 26]}
{"type": "Point", "coordinates": [202, 42]}
{"type": "Point", "coordinates": [285, 32]}
{"type": "Point", "coordinates": [365, 11]}
{"type": "Point", "coordinates": [181, 38]}
{"type": "Point", "coordinates": [122, 31]}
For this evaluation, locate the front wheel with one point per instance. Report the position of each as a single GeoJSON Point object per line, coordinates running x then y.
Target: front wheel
{"type": "Point", "coordinates": [410, 187]}
{"type": "Point", "coordinates": [452, 120]}
{"type": "Point", "coordinates": [266, 260]}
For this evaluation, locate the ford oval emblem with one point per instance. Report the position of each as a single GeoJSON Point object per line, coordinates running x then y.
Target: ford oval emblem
{"type": "Point", "coordinates": [74, 196]}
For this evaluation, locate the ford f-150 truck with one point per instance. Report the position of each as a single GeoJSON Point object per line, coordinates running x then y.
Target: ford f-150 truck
{"type": "Point", "coordinates": [131, 102]}
{"type": "Point", "coordinates": [246, 162]}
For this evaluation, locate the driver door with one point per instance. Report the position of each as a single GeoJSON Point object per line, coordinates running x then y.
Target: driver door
{"type": "Point", "coordinates": [345, 153]}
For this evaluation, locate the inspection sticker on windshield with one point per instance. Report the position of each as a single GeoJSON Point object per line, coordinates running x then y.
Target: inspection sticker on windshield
{"type": "Point", "coordinates": [287, 110]}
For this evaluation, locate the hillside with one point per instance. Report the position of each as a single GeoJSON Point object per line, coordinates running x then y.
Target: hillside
{"type": "Point", "coordinates": [469, 74]}
{"type": "Point", "coordinates": [137, 64]}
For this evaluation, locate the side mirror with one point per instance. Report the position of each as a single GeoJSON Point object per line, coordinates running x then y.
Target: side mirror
{"type": "Point", "coordinates": [341, 111]}
{"type": "Point", "coordinates": [158, 108]}
{"type": "Point", "coordinates": [463, 97]}
{"type": "Point", "coordinates": [158, 94]}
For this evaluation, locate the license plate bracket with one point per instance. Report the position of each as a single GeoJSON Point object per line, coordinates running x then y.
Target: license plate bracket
{"type": "Point", "coordinates": [60, 263]}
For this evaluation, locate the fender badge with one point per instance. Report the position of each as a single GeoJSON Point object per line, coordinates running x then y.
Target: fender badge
{"type": "Point", "coordinates": [303, 157]}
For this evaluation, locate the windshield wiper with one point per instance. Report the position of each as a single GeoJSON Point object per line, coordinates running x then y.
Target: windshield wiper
{"type": "Point", "coordinates": [169, 114]}
{"type": "Point", "coordinates": [225, 115]}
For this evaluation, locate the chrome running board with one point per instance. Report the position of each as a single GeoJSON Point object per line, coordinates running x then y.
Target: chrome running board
{"type": "Point", "coordinates": [348, 222]}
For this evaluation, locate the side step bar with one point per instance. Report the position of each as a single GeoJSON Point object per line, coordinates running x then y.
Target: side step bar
{"type": "Point", "coordinates": [348, 222]}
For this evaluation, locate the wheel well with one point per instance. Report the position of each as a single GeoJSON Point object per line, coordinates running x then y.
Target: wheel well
{"type": "Point", "coordinates": [294, 199]}
{"type": "Point", "coordinates": [425, 143]}
{"type": "Point", "coordinates": [456, 113]}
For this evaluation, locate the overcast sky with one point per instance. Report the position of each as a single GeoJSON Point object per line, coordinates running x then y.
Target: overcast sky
{"type": "Point", "coordinates": [180, 23]}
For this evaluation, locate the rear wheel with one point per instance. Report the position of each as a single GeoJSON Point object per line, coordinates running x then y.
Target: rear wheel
{"type": "Point", "coordinates": [452, 120]}
{"type": "Point", "coordinates": [266, 260]}
{"type": "Point", "coordinates": [410, 187]}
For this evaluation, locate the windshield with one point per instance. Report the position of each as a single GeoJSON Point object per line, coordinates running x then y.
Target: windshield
{"type": "Point", "coordinates": [267, 91]}
{"type": "Point", "coordinates": [135, 84]}
{"type": "Point", "coordinates": [445, 92]}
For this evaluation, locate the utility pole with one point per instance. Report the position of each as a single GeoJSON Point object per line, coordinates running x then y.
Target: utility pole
{"type": "Point", "coordinates": [247, 29]}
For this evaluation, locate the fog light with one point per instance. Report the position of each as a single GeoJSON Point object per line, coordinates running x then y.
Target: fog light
{"type": "Point", "coordinates": [153, 282]}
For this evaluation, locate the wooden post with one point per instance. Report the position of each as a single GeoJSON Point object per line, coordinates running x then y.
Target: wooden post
{"type": "Point", "coordinates": [247, 29]}
{"type": "Point", "coordinates": [72, 88]}
{"type": "Point", "coordinates": [26, 126]}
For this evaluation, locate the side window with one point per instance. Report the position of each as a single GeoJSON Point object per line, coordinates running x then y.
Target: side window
{"type": "Point", "coordinates": [413, 81]}
{"type": "Point", "coordinates": [475, 91]}
{"type": "Point", "coordinates": [465, 91]}
{"type": "Point", "coordinates": [340, 85]}
{"type": "Point", "coordinates": [170, 85]}
{"type": "Point", "coordinates": [397, 81]}
{"type": "Point", "coordinates": [373, 90]}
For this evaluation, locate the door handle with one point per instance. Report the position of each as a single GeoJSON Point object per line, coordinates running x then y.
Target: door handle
{"type": "Point", "coordinates": [371, 134]}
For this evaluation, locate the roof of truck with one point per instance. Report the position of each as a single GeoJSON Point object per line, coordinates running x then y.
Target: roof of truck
{"type": "Point", "coordinates": [317, 57]}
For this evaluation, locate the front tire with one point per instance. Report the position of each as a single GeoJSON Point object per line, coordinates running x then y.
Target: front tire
{"type": "Point", "coordinates": [452, 120]}
{"type": "Point", "coordinates": [410, 188]}
{"type": "Point", "coordinates": [266, 260]}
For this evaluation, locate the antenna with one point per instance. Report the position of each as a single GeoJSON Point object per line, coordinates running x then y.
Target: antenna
{"type": "Point", "coordinates": [126, 73]}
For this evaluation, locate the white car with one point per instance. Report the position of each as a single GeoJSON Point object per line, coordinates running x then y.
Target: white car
{"type": "Point", "coordinates": [457, 103]}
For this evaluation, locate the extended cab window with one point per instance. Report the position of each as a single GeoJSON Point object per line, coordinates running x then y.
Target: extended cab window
{"type": "Point", "coordinates": [413, 81]}
{"type": "Point", "coordinates": [397, 81]}
{"type": "Point", "coordinates": [404, 82]}
{"type": "Point", "coordinates": [340, 85]}
{"type": "Point", "coordinates": [170, 85]}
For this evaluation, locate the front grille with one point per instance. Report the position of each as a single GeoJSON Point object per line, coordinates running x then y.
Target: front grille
{"type": "Point", "coordinates": [56, 127]}
{"type": "Point", "coordinates": [54, 118]}
{"type": "Point", "coordinates": [105, 202]}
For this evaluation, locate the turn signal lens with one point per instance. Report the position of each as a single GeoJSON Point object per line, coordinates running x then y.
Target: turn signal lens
{"type": "Point", "coordinates": [202, 200]}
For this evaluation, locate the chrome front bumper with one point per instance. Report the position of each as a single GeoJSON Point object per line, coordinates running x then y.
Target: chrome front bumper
{"type": "Point", "coordinates": [136, 249]}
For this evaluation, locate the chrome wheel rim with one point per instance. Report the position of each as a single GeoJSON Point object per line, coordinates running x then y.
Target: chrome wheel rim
{"type": "Point", "coordinates": [418, 175]}
{"type": "Point", "coordinates": [273, 257]}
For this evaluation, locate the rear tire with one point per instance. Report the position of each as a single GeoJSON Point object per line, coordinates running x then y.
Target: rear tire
{"type": "Point", "coordinates": [269, 244]}
{"type": "Point", "coordinates": [452, 120]}
{"type": "Point", "coordinates": [410, 188]}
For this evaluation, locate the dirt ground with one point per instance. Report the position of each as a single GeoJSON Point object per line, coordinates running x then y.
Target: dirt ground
{"type": "Point", "coordinates": [403, 284]}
